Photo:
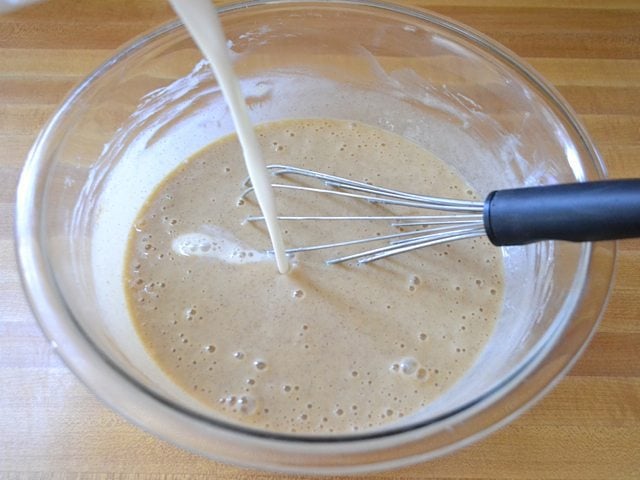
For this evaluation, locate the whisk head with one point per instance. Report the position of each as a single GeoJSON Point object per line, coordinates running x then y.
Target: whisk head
{"type": "Point", "coordinates": [456, 220]}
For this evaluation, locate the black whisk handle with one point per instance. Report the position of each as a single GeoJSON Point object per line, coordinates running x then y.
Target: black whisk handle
{"type": "Point", "coordinates": [577, 212]}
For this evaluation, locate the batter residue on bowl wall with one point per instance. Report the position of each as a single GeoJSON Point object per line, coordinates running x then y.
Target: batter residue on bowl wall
{"type": "Point", "coordinates": [325, 348]}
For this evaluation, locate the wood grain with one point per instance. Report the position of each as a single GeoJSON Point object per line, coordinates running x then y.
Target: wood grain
{"type": "Point", "coordinates": [587, 427]}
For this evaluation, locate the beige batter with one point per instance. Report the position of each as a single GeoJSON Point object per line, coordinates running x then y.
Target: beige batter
{"type": "Point", "coordinates": [325, 348]}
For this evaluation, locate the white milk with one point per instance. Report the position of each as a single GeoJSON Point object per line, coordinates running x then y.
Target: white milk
{"type": "Point", "coordinates": [202, 22]}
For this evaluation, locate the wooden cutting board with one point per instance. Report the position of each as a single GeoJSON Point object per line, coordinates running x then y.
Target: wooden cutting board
{"type": "Point", "coordinates": [587, 427]}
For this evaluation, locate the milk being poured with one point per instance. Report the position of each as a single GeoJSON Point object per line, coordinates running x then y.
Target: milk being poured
{"type": "Point", "coordinates": [202, 22]}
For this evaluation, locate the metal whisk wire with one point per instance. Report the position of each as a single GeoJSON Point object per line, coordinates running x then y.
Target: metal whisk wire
{"type": "Point", "coordinates": [465, 222]}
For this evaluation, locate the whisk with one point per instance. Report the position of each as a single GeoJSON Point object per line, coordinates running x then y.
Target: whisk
{"type": "Point", "coordinates": [576, 212]}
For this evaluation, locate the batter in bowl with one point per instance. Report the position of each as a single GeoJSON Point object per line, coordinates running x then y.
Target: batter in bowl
{"type": "Point", "coordinates": [324, 348]}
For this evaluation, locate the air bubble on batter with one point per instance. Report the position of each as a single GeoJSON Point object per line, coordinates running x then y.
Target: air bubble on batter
{"type": "Point", "coordinates": [408, 366]}
{"type": "Point", "coordinates": [190, 312]}
{"type": "Point", "coordinates": [245, 404]}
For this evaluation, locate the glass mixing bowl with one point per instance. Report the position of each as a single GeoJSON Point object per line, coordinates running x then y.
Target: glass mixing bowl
{"type": "Point", "coordinates": [436, 82]}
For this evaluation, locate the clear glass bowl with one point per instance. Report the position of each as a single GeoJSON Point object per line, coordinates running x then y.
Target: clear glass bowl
{"type": "Point", "coordinates": [436, 82]}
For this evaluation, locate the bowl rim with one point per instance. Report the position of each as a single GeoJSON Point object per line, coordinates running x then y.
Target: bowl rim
{"type": "Point", "coordinates": [89, 364]}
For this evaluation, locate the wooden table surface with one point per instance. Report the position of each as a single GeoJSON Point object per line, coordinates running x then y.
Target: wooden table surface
{"type": "Point", "coordinates": [587, 427]}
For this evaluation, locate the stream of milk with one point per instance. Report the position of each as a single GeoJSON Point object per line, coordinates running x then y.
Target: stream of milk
{"type": "Point", "coordinates": [202, 22]}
